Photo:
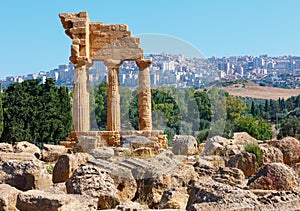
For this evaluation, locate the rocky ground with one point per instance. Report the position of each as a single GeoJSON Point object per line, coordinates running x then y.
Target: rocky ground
{"type": "Point", "coordinates": [217, 175]}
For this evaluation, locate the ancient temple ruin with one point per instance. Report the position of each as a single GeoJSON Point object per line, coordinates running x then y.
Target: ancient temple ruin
{"type": "Point", "coordinates": [112, 44]}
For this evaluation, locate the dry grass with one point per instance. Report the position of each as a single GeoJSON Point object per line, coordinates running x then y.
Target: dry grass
{"type": "Point", "coordinates": [253, 90]}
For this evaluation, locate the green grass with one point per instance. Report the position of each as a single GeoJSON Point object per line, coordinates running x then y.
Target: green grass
{"type": "Point", "coordinates": [50, 168]}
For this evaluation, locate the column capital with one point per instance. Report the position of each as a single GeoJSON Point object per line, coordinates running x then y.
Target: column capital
{"type": "Point", "coordinates": [81, 61]}
{"type": "Point", "coordinates": [112, 63]}
{"type": "Point", "coordinates": [143, 63]}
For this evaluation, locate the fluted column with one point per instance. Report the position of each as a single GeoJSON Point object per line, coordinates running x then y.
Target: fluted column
{"type": "Point", "coordinates": [144, 95]}
{"type": "Point", "coordinates": [81, 100]}
{"type": "Point", "coordinates": [113, 95]}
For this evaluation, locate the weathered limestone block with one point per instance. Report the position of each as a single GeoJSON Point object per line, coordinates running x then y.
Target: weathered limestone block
{"type": "Point", "coordinates": [145, 148]}
{"type": "Point", "coordinates": [122, 49]}
{"type": "Point", "coordinates": [201, 148]}
{"type": "Point", "coordinates": [76, 26]}
{"type": "Point", "coordinates": [143, 152]}
{"type": "Point", "coordinates": [217, 161]}
{"type": "Point", "coordinates": [243, 138]}
{"type": "Point", "coordinates": [290, 148]}
{"type": "Point", "coordinates": [226, 175]}
{"type": "Point", "coordinates": [153, 182]}
{"type": "Point", "coordinates": [6, 156]}
{"type": "Point", "coordinates": [25, 146]}
{"type": "Point", "coordinates": [127, 139]}
{"type": "Point", "coordinates": [8, 197]}
{"type": "Point", "coordinates": [184, 145]}
{"type": "Point", "coordinates": [206, 194]}
{"type": "Point", "coordinates": [35, 200]}
{"type": "Point", "coordinates": [57, 188]}
{"type": "Point", "coordinates": [270, 154]}
{"type": "Point", "coordinates": [296, 168]}
{"type": "Point", "coordinates": [102, 152]}
{"type": "Point", "coordinates": [109, 138]}
{"type": "Point", "coordinates": [174, 198]}
{"type": "Point", "coordinates": [94, 181]}
{"type": "Point", "coordinates": [215, 146]}
{"type": "Point", "coordinates": [142, 142]}
{"type": "Point", "coordinates": [5, 147]}
{"type": "Point", "coordinates": [274, 176]}
{"type": "Point", "coordinates": [245, 161]}
{"type": "Point", "coordinates": [67, 164]}
{"type": "Point", "coordinates": [162, 141]}
{"type": "Point", "coordinates": [50, 153]}
{"type": "Point", "coordinates": [86, 143]}
{"type": "Point", "coordinates": [123, 179]}
{"type": "Point", "coordinates": [130, 206]}
{"type": "Point", "coordinates": [24, 173]}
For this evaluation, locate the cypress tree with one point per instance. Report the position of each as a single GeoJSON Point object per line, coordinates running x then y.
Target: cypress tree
{"type": "Point", "coordinates": [65, 113]}
{"type": "Point", "coordinates": [252, 108]}
{"type": "Point", "coordinates": [35, 112]}
{"type": "Point", "coordinates": [266, 106]}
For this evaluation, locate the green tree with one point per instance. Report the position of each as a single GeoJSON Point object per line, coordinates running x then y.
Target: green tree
{"type": "Point", "coordinates": [204, 105]}
{"type": "Point", "coordinates": [165, 111]}
{"type": "Point", "coordinates": [133, 111]}
{"type": "Point", "coordinates": [126, 98]}
{"type": "Point", "coordinates": [189, 112]}
{"type": "Point", "coordinates": [290, 127]}
{"type": "Point", "coordinates": [35, 112]}
{"type": "Point", "coordinates": [163, 100]}
{"type": "Point", "coordinates": [252, 108]}
{"type": "Point", "coordinates": [234, 108]}
{"type": "Point", "coordinates": [266, 106]}
{"type": "Point", "coordinates": [51, 119]}
{"type": "Point", "coordinates": [20, 109]}
{"type": "Point", "coordinates": [64, 112]}
{"type": "Point", "coordinates": [257, 128]}
{"type": "Point", "coordinates": [99, 109]}
{"type": "Point", "coordinates": [217, 99]}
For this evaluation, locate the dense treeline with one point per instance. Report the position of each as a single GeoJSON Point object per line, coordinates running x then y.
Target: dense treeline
{"type": "Point", "coordinates": [200, 113]}
{"type": "Point", "coordinates": [285, 114]}
{"type": "Point", "coordinates": [35, 112]}
{"type": "Point", "coordinates": [41, 113]}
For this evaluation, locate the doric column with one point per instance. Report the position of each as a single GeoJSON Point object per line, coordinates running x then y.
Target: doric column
{"type": "Point", "coordinates": [113, 95]}
{"type": "Point", "coordinates": [144, 95]}
{"type": "Point", "coordinates": [77, 27]}
{"type": "Point", "coordinates": [81, 101]}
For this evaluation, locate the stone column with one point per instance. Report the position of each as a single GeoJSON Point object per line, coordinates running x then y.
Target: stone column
{"type": "Point", "coordinates": [144, 95]}
{"type": "Point", "coordinates": [81, 101]}
{"type": "Point", "coordinates": [113, 95]}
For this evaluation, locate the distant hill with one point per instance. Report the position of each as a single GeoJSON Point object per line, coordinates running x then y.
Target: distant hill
{"type": "Point", "coordinates": [250, 89]}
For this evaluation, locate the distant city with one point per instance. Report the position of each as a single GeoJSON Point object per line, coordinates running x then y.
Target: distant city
{"type": "Point", "coordinates": [183, 72]}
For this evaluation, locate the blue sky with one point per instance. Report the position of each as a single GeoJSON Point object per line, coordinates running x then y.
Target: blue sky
{"type": "Point", "coordinates": [32, 38]}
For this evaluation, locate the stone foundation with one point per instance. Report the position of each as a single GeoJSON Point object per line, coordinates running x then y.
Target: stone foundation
{"type": "Point", "coordinates": [112, 138]}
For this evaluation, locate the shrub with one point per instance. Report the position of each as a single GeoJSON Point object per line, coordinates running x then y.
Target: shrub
{"type": "Point", "coordinates": [202, 136]}
{"type": "Point", "coordinates": [254, 148]}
